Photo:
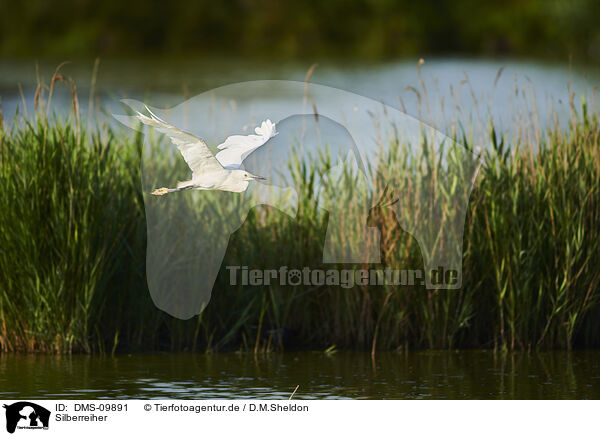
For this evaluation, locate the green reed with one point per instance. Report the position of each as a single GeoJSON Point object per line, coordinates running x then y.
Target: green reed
{"type": "Point", "coordinates": [72, 253]}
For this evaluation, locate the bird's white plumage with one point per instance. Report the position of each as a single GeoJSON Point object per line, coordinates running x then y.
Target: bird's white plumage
{"type": "Point", "coordinates": [194, 150]}
{"type": "Point", "coordinates": [237, 147]}
{"type": "Point", "coordinates": [221, 172]}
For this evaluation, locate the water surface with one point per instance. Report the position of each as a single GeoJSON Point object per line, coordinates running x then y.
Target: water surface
{"type": "Point", "coordinates": [343, 375]}
{"type": "Point", "coordinates": [438, 93]}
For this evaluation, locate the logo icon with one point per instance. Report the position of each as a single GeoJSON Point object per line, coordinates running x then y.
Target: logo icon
{"type": "Point", "coordinates": [26, 415]}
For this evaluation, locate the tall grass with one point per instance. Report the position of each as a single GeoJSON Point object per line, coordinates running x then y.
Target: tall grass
{"type": "Point", "coordinates": [70, 214]}
{"type": "Point", "coordinates": [72, 255]}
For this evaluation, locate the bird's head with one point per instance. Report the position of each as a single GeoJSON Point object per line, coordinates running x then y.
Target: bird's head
{"type": "Point", "coordinates": [246, 176]}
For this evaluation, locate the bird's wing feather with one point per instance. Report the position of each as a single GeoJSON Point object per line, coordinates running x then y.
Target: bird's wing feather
{"type": "Point", "coordinates": [237, 147]}
{"type": "Point", "coordinates": [194, 150]}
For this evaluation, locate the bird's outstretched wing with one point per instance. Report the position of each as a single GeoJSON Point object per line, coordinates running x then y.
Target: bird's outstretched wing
{"type": "Point", "coordinates": [194, 150]}
{"type": "Point", "coordinates": [235, 148]}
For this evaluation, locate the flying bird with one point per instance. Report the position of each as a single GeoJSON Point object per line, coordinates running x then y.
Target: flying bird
{"type": "Point", "coordinates": [221, 172]}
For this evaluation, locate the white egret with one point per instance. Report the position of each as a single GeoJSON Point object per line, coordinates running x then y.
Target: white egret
{"type": "Point", "coordinates": [209, 172]}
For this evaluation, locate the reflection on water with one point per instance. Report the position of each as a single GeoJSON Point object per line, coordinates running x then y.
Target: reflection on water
{"type": "Point", "coordinates": [412, 375]}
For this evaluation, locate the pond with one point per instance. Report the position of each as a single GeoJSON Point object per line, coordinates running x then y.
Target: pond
{"type": "Point", "coordinates": [444, 90]}
{"type": "Point", "coordinates": [462, 88]}
{"type": "Point", "coordinates": [341, 375]}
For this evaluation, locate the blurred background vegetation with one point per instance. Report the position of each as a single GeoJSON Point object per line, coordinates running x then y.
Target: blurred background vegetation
{"type": "Point", "coordinates": [363, 29]}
